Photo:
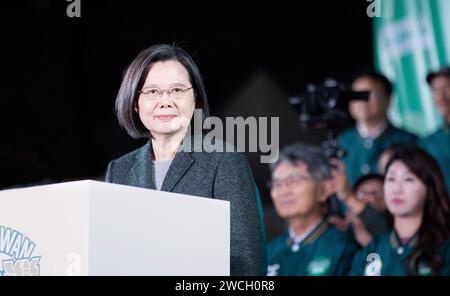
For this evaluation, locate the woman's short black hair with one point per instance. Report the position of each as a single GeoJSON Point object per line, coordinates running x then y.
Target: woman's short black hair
{"type": "Point", "coordinates": [134, 79]}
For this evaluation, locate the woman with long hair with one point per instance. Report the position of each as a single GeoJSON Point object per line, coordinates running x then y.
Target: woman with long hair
{"type": "Point", "coordinates": [419, 218]}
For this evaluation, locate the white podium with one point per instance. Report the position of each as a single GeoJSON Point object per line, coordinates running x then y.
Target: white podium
{"type": "Point", "coordinates": [96, 228]}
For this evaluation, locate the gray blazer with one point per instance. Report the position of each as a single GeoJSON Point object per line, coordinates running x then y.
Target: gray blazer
{"type": "Point", "coordinates": [221, 175]}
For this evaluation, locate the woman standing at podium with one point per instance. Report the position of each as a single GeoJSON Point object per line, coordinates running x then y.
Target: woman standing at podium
{"type": "Point", "coordinates": [159, 93]}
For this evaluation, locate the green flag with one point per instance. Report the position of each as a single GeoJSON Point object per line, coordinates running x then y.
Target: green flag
{"type": "Point", "coordinates": [412, 38]}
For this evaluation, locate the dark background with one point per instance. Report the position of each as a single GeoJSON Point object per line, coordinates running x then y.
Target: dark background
{"type": "Point", "coordinates": [61, 74]}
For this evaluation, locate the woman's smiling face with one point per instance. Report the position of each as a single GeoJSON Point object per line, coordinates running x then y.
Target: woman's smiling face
{"type": "Point", "coordinates": [166, 114]}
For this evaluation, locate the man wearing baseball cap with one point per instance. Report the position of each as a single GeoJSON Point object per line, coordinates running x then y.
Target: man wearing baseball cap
{"type": "Point", "coordinates": [438, 143]}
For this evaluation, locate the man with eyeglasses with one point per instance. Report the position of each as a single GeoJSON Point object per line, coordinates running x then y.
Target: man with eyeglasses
{"type": "Point", "coordinates": [299, 188]}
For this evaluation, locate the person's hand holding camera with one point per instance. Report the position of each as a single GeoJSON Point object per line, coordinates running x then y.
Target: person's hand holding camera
{"type": "Point", "coordinates": [342, 187]}
{"type": "Point", "coordinates": [340, 182]}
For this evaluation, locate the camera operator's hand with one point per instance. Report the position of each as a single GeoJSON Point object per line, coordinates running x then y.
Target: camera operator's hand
{"type": "Point", "coordinates": [340, 182]}
{"type": "Point", "coordinates": [342, 188]}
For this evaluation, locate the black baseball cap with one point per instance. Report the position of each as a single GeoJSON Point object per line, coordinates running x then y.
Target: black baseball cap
{"type": "Point", "coordinates": [441, 72]}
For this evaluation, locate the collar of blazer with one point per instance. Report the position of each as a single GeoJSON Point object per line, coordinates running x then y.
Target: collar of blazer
{"type": "Point", "coordinates": [143, 171]}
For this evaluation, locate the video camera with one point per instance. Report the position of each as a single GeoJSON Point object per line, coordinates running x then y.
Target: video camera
{"type": "Point", "coordinates": [325, 106]}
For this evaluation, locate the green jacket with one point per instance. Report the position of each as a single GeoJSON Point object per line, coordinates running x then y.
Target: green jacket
{"type": "Point", "coordinates": [325, 251]}
{"type": "Point", "coordinates": [386, 256]}
{"type": "Point", "coordinates": [362, 154]}
{"type": "Point", "coordinates": [438, 145]}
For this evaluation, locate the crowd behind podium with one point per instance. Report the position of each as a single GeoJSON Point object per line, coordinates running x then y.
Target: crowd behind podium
{"type": "Point", "coordinates": [392, 187]}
